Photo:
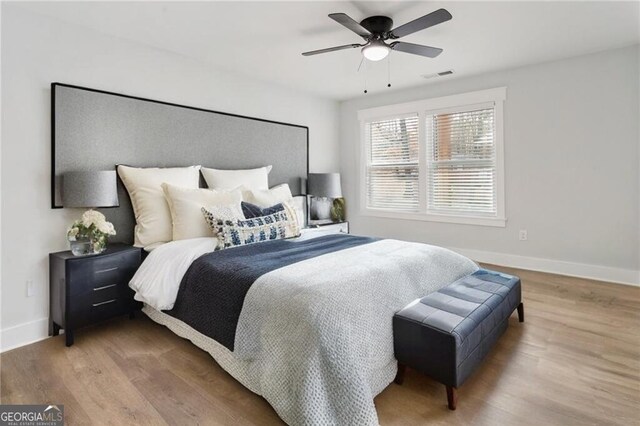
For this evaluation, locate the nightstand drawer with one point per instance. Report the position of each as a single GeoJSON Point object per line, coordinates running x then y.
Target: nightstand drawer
{"type": "Point", "coordinates": [106, 309]}
{"type": "Point", "coordinates": [106, 292]}
{"type": "Point", "coordinates": [114, 269]}
{"type": "Point", "coordinates": [97, 305]}
{"type": "Point", "coordinates": [104, 276]}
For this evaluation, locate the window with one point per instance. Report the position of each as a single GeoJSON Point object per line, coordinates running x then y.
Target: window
{"type": "Point", "coordinates": [392, 164]}
{"type": "Point", "coordinates": [461, 162]}
{"type": "Point", "coordinates": [438, 159]}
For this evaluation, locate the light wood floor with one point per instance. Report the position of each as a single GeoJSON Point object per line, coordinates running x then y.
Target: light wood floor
{"type": "Point", "coordinates": [575, 360]}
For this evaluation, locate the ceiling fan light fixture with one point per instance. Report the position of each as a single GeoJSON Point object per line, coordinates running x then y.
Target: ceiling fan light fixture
{"type": "Point", "coordinates": [376, 50]}
{"type": "Point", "coordinates": [375, 30]}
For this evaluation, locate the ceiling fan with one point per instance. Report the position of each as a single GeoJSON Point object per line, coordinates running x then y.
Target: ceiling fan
{"type": "Point", "coordinates": [375, 30]}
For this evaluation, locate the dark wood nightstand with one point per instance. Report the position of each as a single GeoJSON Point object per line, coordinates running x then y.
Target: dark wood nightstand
{"type": "Point", "coordinates": [84, 290]}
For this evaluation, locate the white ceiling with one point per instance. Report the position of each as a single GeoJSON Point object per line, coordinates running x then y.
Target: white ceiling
{"type": "Point", "coordinates": [264, 40]}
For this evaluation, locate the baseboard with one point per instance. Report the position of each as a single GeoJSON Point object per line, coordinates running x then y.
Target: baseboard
{"type": "Point", "coordinates": [572, 269]}
{"type": "Point", "coordinates": [23, 334]}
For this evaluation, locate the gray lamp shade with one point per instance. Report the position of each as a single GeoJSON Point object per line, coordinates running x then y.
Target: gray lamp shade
{"type": "Point", "coordinates": [324, 185]}
{"type": "Point", "coordinates": [90, 189]}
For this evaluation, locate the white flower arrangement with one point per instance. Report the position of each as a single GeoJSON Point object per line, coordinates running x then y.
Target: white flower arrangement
{"type": "Point", "coordinates": [94, 227]}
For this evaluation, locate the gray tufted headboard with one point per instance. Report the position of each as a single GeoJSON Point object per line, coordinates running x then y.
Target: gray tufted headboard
{"type": "Point", "coordinates": [95, 130]}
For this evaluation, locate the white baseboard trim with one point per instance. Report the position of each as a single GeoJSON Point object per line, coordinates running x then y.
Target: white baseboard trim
{"type": "Point", "coordinates": [23, 334]}
{"type": "Point", "coordinates": [572, 269]}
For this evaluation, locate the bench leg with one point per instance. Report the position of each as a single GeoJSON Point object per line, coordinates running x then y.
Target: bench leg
{"type": "Point", "coordinates": [400, 376]}
{"type": "Point", "coordinates": [452, 397]}
{"type": "Point", "coordinates": [521, 312]}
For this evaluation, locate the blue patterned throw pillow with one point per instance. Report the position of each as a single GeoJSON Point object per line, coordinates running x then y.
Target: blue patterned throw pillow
{"type": "Point", "coordinates": [251, 210]}
{"type": "Point", "coordinates": [233, 231]}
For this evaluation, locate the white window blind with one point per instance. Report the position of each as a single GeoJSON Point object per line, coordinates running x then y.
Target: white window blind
{"type": "Point", "coordinates": [461, 162]}
{"type": "Point", "coordinates": [392, 171]}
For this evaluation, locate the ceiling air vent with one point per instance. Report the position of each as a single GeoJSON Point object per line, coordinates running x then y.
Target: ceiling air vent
{"type": "Point", "coordinates": [438, 74]}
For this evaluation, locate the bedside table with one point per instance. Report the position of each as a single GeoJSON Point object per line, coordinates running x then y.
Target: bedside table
{"type": "Point", "coordinates": [84, 290]}
{"type": "Point", "coordinates": [329, 228]}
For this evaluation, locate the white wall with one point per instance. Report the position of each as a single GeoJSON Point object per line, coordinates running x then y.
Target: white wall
{"type": "Point", "coordinates": [37, 51]}
{"type": "Point", "coordinates": [571, 159]}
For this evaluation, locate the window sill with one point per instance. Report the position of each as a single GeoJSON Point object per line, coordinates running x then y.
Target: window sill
{"type": "Point", "coordinates": [463, 220]}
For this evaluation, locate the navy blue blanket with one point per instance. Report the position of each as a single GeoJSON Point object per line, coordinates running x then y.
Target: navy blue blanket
{"type": "Point", "coordinates": [212, 291]}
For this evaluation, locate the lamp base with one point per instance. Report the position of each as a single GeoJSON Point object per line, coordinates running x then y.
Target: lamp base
{"type": "Point", "coordinates": [321, 208]}
{"type": "Point", "coordinates": [338, 210]}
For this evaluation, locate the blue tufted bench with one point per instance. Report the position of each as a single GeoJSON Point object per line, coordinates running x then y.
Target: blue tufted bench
{"type": "Point", "coordinates": [447, 333]}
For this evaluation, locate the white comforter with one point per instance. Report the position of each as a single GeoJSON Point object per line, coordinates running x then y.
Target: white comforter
{"type": "Point", "coordinates": [315, 338]}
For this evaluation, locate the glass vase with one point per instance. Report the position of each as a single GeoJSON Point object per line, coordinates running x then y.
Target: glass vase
{"type": "Point", "coordinates": [80, 245]}
{"type": "Point", "coordinates": [83, 245]}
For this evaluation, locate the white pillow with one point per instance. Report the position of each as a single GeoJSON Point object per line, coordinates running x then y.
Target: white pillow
{"type": "Point", "coordinates": [299, 204]}
{"type": "Point", "coordinates": [267, 197]}
{"type": "Point", "coordinates": [153, 218]}
{"type": "Point", "coordinates": [278, 194]}
{"type": "Point", "coordinates": [231, 179]}
{"type": "Point", "coordinates": [185, 205]}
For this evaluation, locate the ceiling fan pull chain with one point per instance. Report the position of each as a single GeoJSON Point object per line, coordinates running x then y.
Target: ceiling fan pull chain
{"type": "Point", "coordinates": [365, 76]}
{"type": "Point", "coordinates": [389, 71]}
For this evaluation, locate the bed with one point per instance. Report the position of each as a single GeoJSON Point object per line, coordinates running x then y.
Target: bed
{"type": "Point", "coordinates": [313, 330]}
{"type": "Point", "coordinates": [304, 322]}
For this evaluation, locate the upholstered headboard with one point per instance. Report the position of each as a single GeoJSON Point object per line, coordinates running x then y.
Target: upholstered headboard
{"type": "Point", "coordinates": [95, 130]}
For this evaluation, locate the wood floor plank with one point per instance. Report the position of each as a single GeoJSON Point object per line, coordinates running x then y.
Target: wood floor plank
{"type": "Point", "coordinates": [576, 360]}
{"type": "Point", "coordinates": [218, 385]}
{"type": "Point", "coordinates": [44, 384]}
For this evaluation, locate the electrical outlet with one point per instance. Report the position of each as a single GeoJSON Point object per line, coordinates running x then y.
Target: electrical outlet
{"type": "Point", "coordinates": [522, 235]}
{"type": "Point", "coordinates": [31, 290]}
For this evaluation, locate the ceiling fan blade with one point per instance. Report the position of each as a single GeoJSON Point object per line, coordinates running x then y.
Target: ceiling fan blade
{"type": "Point", "coordinates": [416, 49]}
{"type": "Point", "coordinates": [433, 18]}
{"type": "Point", "coordinates": [332, 49]}
{"type": "Point", "coordinates": [347, 21]}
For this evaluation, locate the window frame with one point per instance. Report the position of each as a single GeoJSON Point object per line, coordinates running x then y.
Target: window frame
{"type": "Point", "coordinates": [422, 108]}
{"type": "Point", "coordinates": [366, 155]}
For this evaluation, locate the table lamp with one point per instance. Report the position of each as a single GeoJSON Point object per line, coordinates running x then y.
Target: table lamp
{"type": "Point", "coordinates": [90, 189]}
{"type": "Point", "coordinates": [323, 188]}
